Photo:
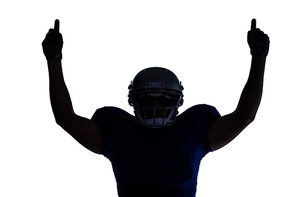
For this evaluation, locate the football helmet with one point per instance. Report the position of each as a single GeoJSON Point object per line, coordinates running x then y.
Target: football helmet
{"type": "Point", "coordinates": [156, 94]}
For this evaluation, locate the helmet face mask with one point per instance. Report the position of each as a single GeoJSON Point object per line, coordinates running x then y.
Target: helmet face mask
{"type": "Point", "coordinates": [155, 93]}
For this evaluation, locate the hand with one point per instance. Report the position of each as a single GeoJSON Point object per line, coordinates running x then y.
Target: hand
{"type": "Point", "coordinates": [53, 43]}
{"type": "Point", "coordinates": [258, 41]}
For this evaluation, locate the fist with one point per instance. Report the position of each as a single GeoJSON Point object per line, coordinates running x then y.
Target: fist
{"type": "Point", "coordinates": [258, 41]}
{"type": "Point", "coordinates": [53, 43]}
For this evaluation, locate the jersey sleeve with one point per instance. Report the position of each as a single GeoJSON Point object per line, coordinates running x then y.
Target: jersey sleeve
{"type": "Point", "coordinates": [200, 118]}
{"type": "Point", "coordinates": [102, 118]}
{"type": "Point", "coordinates": [112, 122]}
{"type": "Point", "coordinates": [212, 116]}
{"type": "Point", "coordinates": [97, 118]}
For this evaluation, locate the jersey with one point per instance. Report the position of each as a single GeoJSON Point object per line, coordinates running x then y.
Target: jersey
{"type": "Point", "coordinates": [155, 162]}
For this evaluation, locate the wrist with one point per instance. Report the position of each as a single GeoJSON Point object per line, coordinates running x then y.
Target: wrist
{"type": "Point", "coordinates": [262, 58]}
{"type": "Point", "coordinates": [54, 62]}
{"type": "Point", "coordinates": [258, 60]}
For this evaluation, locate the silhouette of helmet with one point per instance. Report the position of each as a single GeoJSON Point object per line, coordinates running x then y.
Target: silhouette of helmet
{"type": "Point", "coordinates": [155, 93]}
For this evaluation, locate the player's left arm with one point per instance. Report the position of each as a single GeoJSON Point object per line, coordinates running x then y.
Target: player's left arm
{"type": "Point", "coordinates": [227, 127]}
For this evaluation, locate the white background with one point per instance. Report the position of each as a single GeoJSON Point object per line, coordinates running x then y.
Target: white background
{"type": "Point", "coordinates": [105, 44]}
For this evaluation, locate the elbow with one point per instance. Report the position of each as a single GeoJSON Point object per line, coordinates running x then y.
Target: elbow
{"type": "Point", "coordinates": [58, 121]}
{"type": "Point", "coordinates": [249, 118]}
{"type": "Point", "coordinates": [61, 120]}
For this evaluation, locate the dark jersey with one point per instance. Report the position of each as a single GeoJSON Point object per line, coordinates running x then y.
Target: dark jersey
{"type": "Point", "coordinates": [155, 162]}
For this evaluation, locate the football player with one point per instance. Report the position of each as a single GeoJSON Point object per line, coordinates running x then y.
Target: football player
{"type": "Point", "coordinates": [155, 152]}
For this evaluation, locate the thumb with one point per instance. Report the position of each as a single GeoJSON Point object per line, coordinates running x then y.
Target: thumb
{"type": "Point", "coordinates": [57, 25]}
{"type": "Point", "coordinates": [253, 25]}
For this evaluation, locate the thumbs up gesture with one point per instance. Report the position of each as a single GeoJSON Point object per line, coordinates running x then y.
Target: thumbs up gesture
{"type": "Point", "coordinates": [258, 41]}
{"type": "Point", "coordinates": [53, 43]}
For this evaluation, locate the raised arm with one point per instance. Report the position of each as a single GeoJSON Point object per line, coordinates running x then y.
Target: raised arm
{"type": "Point", "coordinates": [82, 129]}
{"type": "Point", "coordinates": [226, 128]}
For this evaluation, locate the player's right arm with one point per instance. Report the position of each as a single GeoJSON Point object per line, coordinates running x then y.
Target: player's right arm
{"type": "Point", "coordinates": [82, 129]}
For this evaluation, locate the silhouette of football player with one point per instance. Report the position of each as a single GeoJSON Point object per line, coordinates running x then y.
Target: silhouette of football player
{"type": "Point", "coordinates": [155, 152]}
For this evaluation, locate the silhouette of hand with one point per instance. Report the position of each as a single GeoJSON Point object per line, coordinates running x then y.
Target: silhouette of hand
{"type": "Point", "coordinates": [258, 41]}
{"type": "Point", "coordinates": [53, 43]}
